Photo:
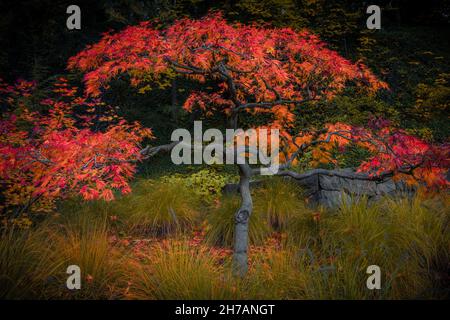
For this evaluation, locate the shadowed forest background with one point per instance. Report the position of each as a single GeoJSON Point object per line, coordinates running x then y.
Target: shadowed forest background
{"type": "Point", "coordinates": [410, 52]}
{"type": "Point", "coordinates": [159, 243]}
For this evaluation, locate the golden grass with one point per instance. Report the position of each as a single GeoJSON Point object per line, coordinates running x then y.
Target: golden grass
{"type": "Point", "coordinates": [318, 254]}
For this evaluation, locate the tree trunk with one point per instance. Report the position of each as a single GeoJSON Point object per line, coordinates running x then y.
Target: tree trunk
{"type": "Point", "coordinates": [241, 220]}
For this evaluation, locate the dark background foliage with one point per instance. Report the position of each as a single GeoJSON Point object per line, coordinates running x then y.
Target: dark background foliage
{"type": "Point", "coordinates": [410, 52]}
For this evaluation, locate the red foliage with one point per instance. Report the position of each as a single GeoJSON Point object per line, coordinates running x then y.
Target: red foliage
{"type": "Point", "coordinates": [403, 155]}
{"type": "Point", "coordinates": [258, 69]}
{"type": "Point", "coordinates": [395, 152]}
{"type": "Point", "coordinates": [251, 64]}
{"type": "Point", "coordinates": [58, 152]}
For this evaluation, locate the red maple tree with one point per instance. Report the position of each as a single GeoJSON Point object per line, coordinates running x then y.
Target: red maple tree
{"type": "Point", "coordinates": [255, 70]}
{"type": "Point", "coordinates": [49, 155]}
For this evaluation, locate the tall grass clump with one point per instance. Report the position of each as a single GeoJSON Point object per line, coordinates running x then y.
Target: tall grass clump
{"type": "Point", "coordinates": [82, 238]}
{"type": "Point", "coordinates": [279, 202]}
{"type": "Point", "coordinates": [420, 231]}
{"type": "Point", "coordinates": [275, 273]}
{"type": "Point", "coordinates": [406, 239]}
{"type": "Point", "coordinates": [158, 208]}
{"type": "Point", "coordinates": [26, 263]}
{"type": "Point", "coordinates": [348, 242]}
{"type": "Point", "coordinates": [304, 228]}
{"type": "Point", "coordinates": [220, 230]}
{"type": "Point", "coordinates": [176, 270]}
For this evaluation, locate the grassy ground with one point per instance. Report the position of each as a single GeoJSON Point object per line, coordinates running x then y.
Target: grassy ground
{"type": "Point", "coordinates": [166, 242]}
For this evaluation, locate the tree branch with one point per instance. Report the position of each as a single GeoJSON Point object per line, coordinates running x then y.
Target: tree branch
{"type": "Point", "coordinates": [149, 152]}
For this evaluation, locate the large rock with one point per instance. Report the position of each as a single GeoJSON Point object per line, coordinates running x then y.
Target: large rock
{"type": "Point", "coordinates": [332, 198]}
{"type": "Point", "coordinates": [310, 184]}
{"type": "Point", "coordinates": [338, 186]}
{"type": "Point", "coordinates": [331, 188]}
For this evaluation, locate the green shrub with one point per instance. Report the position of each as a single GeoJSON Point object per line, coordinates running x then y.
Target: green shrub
{"type": "Point", "coordinates": [207, 184]}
